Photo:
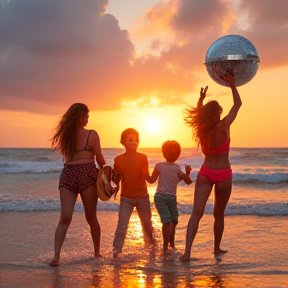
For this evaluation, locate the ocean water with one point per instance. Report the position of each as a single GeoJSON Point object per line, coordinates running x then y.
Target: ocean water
{"type": "Point", "coordinates": [29, 179]}
{"type": "Point", "coordinates": [255, 233]}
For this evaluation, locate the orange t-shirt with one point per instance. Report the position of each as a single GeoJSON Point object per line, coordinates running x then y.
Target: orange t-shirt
{"type": "Point", "coordinates": [133, 184]}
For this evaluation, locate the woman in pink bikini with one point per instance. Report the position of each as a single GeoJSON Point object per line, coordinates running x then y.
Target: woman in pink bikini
{"type": "Point", "coordinates": [213, 136]}
{"type": "Point", "coordinates": [78, 147]}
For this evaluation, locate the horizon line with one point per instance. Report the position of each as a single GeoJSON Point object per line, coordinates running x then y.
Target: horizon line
{"type": "Point", "coordinates": [159, 147]}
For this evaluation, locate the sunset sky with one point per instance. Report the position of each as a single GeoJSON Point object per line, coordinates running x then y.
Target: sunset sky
{"type": "Point", "coordinates": [136, 63]}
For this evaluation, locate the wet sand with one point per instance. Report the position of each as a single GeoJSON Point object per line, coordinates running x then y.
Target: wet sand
{"type": "Point", "coordinates": [257, 257]}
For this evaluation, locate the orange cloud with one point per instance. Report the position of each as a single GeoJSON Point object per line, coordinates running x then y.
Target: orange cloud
{"type": "Point", "coordinates": [156, 19]}
{"type": "Point", "coordinates": [53, 54]}
{"type": "Point", "coordinates": [267, 26]}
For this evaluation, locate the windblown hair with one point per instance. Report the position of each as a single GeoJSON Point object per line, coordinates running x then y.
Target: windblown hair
{"type": "Point", "coordinates": [171, 150]}
{"type": "Point", "coordinates": [64, 139]}
{"type": "Point", "coordinates": [127, 131]}
{"type": "Point", "coordinates": [203, 120]}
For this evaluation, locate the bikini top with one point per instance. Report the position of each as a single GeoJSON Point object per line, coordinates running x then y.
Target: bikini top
{"type": "Point", "coordinates": [86, 148]}
{"type": "Point", "coordinates": [79, 157]}
{"type": "Point", "coordinates": [221, 149]}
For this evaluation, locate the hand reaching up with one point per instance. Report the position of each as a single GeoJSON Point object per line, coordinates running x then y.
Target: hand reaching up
{"type": "Point", "coordinates": [203, 92]}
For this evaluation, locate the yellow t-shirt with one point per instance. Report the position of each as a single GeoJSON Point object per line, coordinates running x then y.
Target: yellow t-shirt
{"type": "Point", "coordinates": [133, 184]}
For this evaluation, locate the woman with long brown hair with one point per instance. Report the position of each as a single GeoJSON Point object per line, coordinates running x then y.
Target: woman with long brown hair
{"type": "Point", "coordinates": [213, 136]}
{"type": "Point", "coordinates": [78, 147]}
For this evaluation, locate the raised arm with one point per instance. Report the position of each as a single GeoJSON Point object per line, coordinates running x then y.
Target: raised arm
{"type": "Point", "coordinates": [202, 96]}
{"type": "Point", "coordinates": [236, 101]}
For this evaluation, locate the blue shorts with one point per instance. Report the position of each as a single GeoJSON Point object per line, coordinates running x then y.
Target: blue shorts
{"type": "Point", "coordinates": [167, 208]}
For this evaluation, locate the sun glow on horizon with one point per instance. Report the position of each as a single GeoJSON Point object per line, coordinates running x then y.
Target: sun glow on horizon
{"type": "Point", "coordinates": [153, 125]}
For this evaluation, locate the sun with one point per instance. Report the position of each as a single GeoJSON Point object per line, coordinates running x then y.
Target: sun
{"type": "Point", "coordinates": [153, 125]}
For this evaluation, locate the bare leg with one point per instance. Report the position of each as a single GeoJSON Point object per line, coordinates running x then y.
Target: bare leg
{"type": "Point", "coordinates": [172, 235]}
{"type": "Point", "coordinates": [222, 194]}
{"type": "Point", "coordinates": [90, 199]}
{"type": "Point", "coordinates": [192, 229]}
{"type": "Point", "coordinates": [67, 202]}
{"type": "Point", "coordinates": [166, 236]}
{"type": "Point", "coordinates": [203, 189]}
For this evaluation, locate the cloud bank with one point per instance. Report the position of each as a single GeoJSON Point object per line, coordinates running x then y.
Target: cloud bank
{"type": "Point", "coordinates": [56, 52]}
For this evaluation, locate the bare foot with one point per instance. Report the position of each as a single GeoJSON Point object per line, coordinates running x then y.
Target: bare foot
{"type": "Point", "coordinates": [219, 251]}
{"type": "Point", "coordinates": [166, 252]}
{"type": "Point", "coordinates": [54, 262]}
{"type": "Point", "coordinates": [184, 258]}
{"type": "Point", "coordinates": [115, 253]}
{"type": "Point", "coordinates": [152, 242]}
{"type": "Point", "coordinates": [98, 255]}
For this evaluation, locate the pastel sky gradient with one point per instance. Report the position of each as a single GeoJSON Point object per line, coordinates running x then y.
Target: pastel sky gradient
{"type": "Point", "coordinates": [132, 61]}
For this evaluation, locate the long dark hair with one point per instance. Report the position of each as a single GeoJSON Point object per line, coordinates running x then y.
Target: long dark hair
{"type": "Point", "coordinates": [203, 120]}
{"type": "Point", "coordinates": [64, 139]}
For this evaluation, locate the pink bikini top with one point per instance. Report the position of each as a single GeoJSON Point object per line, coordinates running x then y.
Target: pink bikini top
{"type": "Point", "coordinates": [221, 149]}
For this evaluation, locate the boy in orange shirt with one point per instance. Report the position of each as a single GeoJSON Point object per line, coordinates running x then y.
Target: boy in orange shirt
{"type": "Point", "coordinates": [134, 191]}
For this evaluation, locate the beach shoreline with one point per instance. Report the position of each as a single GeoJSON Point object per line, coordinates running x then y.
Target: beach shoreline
{"type": "Point", "coordinates": [252, 261]}
{"type": "Point", "coordinates": [255, 228]}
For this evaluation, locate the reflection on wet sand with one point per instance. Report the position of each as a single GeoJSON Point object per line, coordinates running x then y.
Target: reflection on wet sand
{"type": "Point", "coordinates": [144, 266]}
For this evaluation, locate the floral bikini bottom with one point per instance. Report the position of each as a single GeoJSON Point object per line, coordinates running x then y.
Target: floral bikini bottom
{"type": "Point", "coordinates": [79, 177]}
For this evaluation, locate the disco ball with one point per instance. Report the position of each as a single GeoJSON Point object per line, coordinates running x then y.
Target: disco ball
{"type": "Point", "coordinates": [234, 54]}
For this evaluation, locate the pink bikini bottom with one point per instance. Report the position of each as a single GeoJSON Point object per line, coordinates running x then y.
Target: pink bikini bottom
{"type": "Point", "coordinates": [216, 175]}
